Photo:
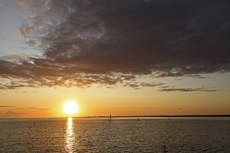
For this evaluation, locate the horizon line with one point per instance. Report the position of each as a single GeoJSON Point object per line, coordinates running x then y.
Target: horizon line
{"type": "Point", "coordinates": [126, 116]}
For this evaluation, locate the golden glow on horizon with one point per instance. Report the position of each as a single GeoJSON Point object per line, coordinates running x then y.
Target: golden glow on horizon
{"type": "Point", "coordinates": [70, 107]}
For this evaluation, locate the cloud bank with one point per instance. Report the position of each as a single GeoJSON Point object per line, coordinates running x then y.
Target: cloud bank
{"type": "Point", "coordinates": [88, 42]}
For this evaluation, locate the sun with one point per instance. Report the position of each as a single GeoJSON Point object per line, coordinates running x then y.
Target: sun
{"type": "Point", "coordinates": [70, 107]}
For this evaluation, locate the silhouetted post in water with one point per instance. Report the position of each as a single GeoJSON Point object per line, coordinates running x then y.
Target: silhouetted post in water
{"type": "Point", "coordinates": [165, 147]}
{"type": "Point", "coordinates": [138, 119]}
{"type": "Point", "coordinates": [31, 126]}
{"type": "Point", "coordinates": [109, 119]}
{"type": "Point", "coordinates": [169, 118]}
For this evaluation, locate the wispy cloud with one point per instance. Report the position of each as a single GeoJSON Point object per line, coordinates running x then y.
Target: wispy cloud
{"type": "Point", "coordinates": [144, 84]}
{"type": "Point", "coordinates": [162, 87]}
{"type": "Point", "coordinates": [137, 108]}
{"type": "Point", "coordinates": [11, 114]}
{"type": "Point", "coordinates": [203, 89]}
{"type": "Point", "coordinates": [6, 106]}
{"type": "Point", "coordinates": [109, 42]}
{"type": "Point", "coordinates": [33, 108]}
{"type": "Point", "coordinates": [4, 39]}
{"type": "Point", "coordinates": [137, 85]}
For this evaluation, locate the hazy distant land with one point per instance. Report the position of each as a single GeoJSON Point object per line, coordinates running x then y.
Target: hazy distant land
{"type": "Point", "coordinates": [159, 116]}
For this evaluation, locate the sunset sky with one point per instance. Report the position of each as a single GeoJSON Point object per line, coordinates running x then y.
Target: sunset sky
{"type": "Point", "coordinates": [118, 57]}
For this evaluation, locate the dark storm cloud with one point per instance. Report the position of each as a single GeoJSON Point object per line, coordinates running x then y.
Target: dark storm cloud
{"type": "Point", "coordinates": [87, 42]}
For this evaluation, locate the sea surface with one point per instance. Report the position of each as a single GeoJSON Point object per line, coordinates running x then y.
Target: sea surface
{"type": "Point", "coordinates": [156, 134]}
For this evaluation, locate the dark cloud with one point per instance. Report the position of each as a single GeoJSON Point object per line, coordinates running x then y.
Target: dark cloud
{"type": "Point", "coordinates": [166, 89]}
{"type": "Point", "coordinates": [144, 84]}
{"type": "Point", "coordinates": [137, 85]}
{"type": "Point", "coordinates": [88, 42]}
{"type": "Point", "coordinates": [132, 85]}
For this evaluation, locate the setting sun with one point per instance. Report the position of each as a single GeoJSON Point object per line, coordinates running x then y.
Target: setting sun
{"type": "Point", "coordinates": [70, 107]}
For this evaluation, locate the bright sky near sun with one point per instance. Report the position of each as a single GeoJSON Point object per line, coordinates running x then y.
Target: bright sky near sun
{"type": "Point", "coordinates": [115, 57]}
{"type": "Point", "coordinates": [70, 107]}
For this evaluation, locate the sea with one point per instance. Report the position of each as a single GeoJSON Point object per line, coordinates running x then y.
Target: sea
{"type": "Point", "coordinates": [101, 135]}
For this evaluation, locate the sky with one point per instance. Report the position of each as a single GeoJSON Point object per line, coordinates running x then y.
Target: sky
{"type": "Point", "coordinates": [114, 57]}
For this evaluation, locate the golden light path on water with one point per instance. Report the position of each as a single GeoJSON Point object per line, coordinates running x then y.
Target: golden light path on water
{"type": "Point", "coordinates": [70, 137]}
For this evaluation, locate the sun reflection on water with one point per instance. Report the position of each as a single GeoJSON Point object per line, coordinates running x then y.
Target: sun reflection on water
{"type": "Point", "coordinates": [70, 136]}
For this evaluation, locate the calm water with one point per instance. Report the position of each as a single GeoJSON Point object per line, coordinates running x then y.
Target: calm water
{"type": "Point", "coordinates": [119, 135]}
